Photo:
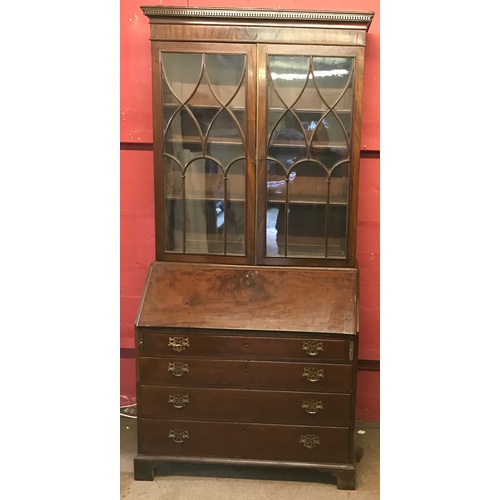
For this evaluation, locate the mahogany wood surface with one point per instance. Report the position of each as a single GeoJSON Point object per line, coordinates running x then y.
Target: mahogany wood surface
{"type": "Point", "coordinates": [245, 405]}
{"type": "Point", "coordinates": [256, 33]}
{"type": "Point", "coordinates": [245, 357]}
{"type": "Point", "coordinates": [244, 440]}
{"type": "Point", "coordinates": [181, 342]}
{"type": "Point", "coordinates": [206, 372]}
{"type": "Point", "coordinates": [250, 298]}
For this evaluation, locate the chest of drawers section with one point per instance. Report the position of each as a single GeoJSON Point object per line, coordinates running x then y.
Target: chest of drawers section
{"type": "Point", "coordinates": [247, 366]}
{"type": "Point", "coordinates": [246, 397]}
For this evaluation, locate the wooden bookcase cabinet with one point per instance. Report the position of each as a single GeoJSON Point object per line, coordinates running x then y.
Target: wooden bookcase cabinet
{"type": "Point", "coordinates": [247, 332]}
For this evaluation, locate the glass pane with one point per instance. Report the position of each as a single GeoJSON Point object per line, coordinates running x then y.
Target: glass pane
{"type": "Point", "coordinates": [204, 152]}
{"type": "Point", "coordinates": [174, 208]}
{"type": "Point", "coordinates": [225, 135]}
{"type": "Point", "coordinates": [287, 75]}
{"type": "Point", "coordinates": [309, 126]}
{"type": "Point", "coordinates": [337, 228]}
{"type": "Point", "coordinates": [225, 74]}
{"type": "Point", "coordinates": [234, 209]}
{"type": "Point", "coordinates": [306, 211]}
{"type": "Point", "coordinates": [333, 78]}
{"type": "Point", "coordinates": [328, 132]}
{"type": "Point", "coordinates": [182, 131]}
{"type": "Point", "coordinates": [202, 190]}
{"type": "Point", "coordinates": [236, 181]}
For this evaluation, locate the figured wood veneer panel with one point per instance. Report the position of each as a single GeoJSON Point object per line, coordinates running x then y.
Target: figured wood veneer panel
{"type": "Point", "coordinates": [260, 34]}
{"type": "Point", "coordinates": [250, 298]}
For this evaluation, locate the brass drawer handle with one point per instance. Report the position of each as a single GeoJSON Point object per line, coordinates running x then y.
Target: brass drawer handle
{"type": "Point", "coordinates": [178, 435]}
{"type": "Point", "coordinates": [312, 347]}
{"type": "Point", "coordinates": [178, 369]}
{"type": "Point", "coordinates": [178, 344]}
{"type": "Point", "coordinates": [312, 406]}
{"type": "Point", "coordinates": [313, 374]}
{"type": "Point", "coordinates": [309, 440]}
{"type": "Point", "coordinates": [178, 400]}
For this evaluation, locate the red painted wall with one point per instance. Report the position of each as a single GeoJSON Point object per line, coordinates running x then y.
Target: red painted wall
{"type": "Point", "coordinates": [136, 182]}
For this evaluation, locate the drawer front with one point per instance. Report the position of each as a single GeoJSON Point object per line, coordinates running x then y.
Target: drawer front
{"type": "Point", "coordinates": [244, 441]}
{"type": "Point", "coordinates": [201, 372]}
{"type": "Point", "coordinates": [240, 405]}
{"type": "Point", "coordinates": [230, 346]}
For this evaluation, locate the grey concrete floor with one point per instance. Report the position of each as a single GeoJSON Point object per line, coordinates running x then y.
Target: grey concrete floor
{"type": "Point", "coordinates": [209, 482]}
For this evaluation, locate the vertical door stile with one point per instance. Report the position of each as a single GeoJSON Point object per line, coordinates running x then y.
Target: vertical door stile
{"type": "Point", "coordinates": [261, 151]}
{"type": "Point", "coordinates": [251, 151]}
{"type": "Point", "coordinates": [156, 70]}
{"type": "Point", "coordinates": [355, 153]}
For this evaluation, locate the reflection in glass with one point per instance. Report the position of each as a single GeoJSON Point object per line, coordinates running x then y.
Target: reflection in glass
{"type": "Point", "coordinates": [203, 99]}
{"type": "Point", "coordinates": [332, 76]}
{"type": "Point", "coordinates": [225, 72]}
{"type": "Point", "coordinates": [289, 76]}
{"type": "Point", "coordinates": [309, 104]}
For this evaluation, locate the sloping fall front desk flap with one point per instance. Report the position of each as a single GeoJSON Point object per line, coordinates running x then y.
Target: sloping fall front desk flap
{"type": "Point", "coordinates": [250, 298]}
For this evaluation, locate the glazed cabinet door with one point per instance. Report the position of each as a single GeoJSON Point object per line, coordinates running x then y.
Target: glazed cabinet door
{"type": "Point", "coordinates": [308, 138]}
{"type": "Point", "coordinates": [204, 113]}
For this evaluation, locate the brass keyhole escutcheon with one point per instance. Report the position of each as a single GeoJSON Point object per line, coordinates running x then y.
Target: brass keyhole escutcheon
{"type": "Point", "coordinates": [248, 279]}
